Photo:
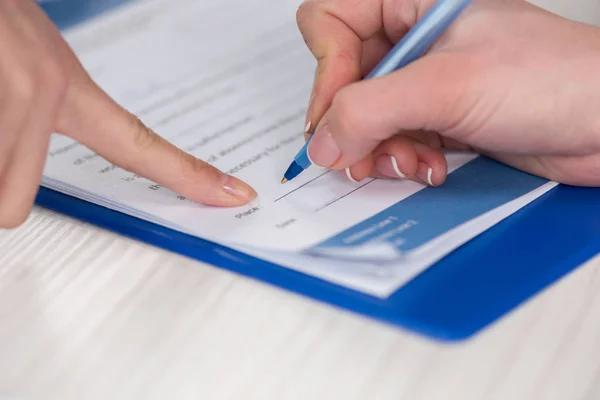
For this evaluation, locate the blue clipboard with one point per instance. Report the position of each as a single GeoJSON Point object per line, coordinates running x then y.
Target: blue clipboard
{"type": "Point", "coordinates": [453, 300]}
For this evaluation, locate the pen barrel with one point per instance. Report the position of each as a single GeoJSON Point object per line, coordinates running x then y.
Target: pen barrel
{"type": "Point", "coordinates": [421, 37]}
{"type": "Point", "coordinates": [302, 158]}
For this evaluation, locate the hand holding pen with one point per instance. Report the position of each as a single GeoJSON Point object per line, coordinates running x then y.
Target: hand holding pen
{"type": "Point", "coordinates": [498, 81]}
{"type": "Point", "coordinates": [408, 49]}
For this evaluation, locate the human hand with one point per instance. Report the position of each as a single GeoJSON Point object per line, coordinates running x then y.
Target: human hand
{"type": "Point", "coordinates": [508, 80]}
{"type": "Point", "coordinates": [44, 89]}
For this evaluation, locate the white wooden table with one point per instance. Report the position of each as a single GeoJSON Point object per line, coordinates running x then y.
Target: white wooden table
{"type": "Point", "coordinates": [86, 314]}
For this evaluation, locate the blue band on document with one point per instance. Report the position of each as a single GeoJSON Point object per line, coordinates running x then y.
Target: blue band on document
{"type": "Point", "coordinates": [472, 190]}
{"type": "Point", "coordinates": [67, 13]}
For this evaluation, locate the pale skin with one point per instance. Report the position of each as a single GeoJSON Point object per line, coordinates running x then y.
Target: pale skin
{"type": "Point", "coordinates": [44, 89]}
{"type": "Point", "coordinates": [508, 80]}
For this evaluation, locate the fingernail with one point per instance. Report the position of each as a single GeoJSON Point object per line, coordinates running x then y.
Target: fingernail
{"type": "Point", "coordinates": [388, 166]}
{"type": "Point", "coordinates": [322, 150]}
{"type": "Point", "coordinates": [349, 175]}
{"type": "Point", "coordinates": [237, 188]}
{"type": "Point", "coordinates": [308, 122]}
{"type": "Point", "coordinates": [424, 173]}
{"type": "Point", "coordinates": [307, 126]}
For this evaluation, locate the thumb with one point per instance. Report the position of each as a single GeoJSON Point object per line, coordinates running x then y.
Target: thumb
{"type": "Point", "coordinates": [91, 117]}
{"type": "Point", "coordinates": [423, 96]}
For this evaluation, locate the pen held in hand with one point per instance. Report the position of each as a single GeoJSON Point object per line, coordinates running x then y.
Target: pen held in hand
{"type": "Point", "coordinates": [299, 164]}
{"type": "Point", "coordinates": [412, 46]}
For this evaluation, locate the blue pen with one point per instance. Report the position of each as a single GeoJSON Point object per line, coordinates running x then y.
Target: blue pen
{"type": "Point", "coordinates": [412, 46]}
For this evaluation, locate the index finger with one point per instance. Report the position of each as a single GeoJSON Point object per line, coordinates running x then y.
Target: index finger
{"type": "Point", "coordinates": [92, 118]}
{"type": "Point", "coordinates": [334, 31]}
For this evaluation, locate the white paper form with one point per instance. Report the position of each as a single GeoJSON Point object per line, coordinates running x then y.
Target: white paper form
{"type": "Point", "coordinates": [229, 82]}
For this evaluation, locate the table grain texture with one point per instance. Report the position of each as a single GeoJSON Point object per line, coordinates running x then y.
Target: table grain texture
{"type": "Point", "coordinates": [88, 314]}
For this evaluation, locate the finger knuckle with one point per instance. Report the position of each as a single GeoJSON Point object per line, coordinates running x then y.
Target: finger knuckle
{"type": "Point", "coordinates": [308, 10]}
{"type": "Point", "coordinates": [345, 110]}
{"type": "Point", "coordinates": [300, 12]}
{"type": "Point", "coordinates": [194, 169]}
{"type": "Point", "coordinates": [303, 12]}
{"type": "Point", "coordinates": [398, 145]}
{"type": "Point", "coordinates": [143, 137]}
{"type": "Point", "coordinates": [349, 57]}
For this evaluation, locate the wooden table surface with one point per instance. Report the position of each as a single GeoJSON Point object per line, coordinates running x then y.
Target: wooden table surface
{"type": "Point", "coordinates": [87, 314]}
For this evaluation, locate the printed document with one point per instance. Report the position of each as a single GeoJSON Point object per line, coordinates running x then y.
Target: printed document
{"type": "Point", "coordinates": [229, 81]}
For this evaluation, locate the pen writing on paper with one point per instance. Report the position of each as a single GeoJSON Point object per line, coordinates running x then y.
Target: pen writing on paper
{"type": "Point", "coordinates": [301, 186]}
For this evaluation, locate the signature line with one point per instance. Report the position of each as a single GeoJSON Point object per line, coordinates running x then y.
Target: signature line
{"type": "Point", "coordinates": [347, 194]}
{"type": "Point", "coordinates": [300, 187]}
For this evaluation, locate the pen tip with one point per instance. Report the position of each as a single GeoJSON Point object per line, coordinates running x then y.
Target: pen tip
{"type": "Point", "coordinates": [284, 180]}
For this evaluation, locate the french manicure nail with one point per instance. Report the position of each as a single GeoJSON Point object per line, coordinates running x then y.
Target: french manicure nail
{"type": "Point", "coordinates": [307, 126]}
{"type": "Point", "coordinates": [237, 188]}
{"type": "Point", "coordinates": [322, 150]}
{"type": "Point", "coordinates": [308, 122]}
{"type": "Point", "coordinates": [388, 166]}
{"type": "Point", "coordinates": [349, 175]}
{"type": "Point", "coordinates": [424, 173]}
